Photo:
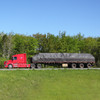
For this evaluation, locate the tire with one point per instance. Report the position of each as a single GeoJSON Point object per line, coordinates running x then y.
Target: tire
{"type": "Point", "coordinates": [89, 65]}
{"type": "Point", "coordinates": [39, 66]}
{"type": "Point", "coordinates": [81, 65]}
{"type": "Point", "coordinates": [74, 65]}
{"type": "Point", "coordinates": [10, 66]}
{"type": "Point", "coordinates": [33, 66]}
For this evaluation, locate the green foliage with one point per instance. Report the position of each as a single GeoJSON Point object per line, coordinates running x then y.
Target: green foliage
{"type": "Point", "coordinates": [50, 85]}
{"type": "Point", "coordinates": [25, 44]}
{"type": "Point", "coordinates": [2, 62]}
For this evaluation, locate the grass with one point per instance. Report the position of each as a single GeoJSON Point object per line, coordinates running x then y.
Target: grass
{"type": "Point", "coordinates": [50, 85]}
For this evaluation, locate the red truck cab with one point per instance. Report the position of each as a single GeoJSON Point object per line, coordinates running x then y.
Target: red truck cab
{"type": "Point", "coordinates": [18, 61]}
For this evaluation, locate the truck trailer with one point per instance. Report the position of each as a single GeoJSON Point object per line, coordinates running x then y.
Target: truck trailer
{"type": "Point", "coordinates": [65, 60]}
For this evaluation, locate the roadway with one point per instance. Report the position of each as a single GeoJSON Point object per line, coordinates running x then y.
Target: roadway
{"type": "Point", "coordinates": [50, 69]}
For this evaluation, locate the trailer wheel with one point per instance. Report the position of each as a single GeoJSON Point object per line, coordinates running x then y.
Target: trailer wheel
{"type": "Point", "coordinates": [10, 66]}
{"type": "Point", "coordinates": [33, 66]}
{"type": "Point", "coordinates": [89, 65]}
{"type": "Point", "coordinates": [74, 65]}
{"type": "Point", "coordinates": [81, 65]}
{"type": "Point", "coordinates": [39, 66]}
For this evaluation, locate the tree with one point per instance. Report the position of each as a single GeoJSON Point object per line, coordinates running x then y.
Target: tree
{"type": "Point", "coordinates": [98, 52]}
{"type": "Point", "coordinates": [7, 45]}
{"type": "Point", "coordinates": [68, 44]}
{"type": "Point", "coordinates": [4, 45]}
{"type": "Point", "coordinates": [25, 44]}
{"type": "Point", "coordinates": [80, 42]}
{"type": "Point", "coordinates": [42, 42]}
{"type": "Point", "coordinates": [10, 45]}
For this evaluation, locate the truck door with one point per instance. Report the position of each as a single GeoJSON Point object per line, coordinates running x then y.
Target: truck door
{"type": "Point", "coordinates": [15, 61]}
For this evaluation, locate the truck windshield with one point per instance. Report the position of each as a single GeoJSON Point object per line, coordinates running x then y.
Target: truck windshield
{"type": "Point", "coordinates": [14, 58]}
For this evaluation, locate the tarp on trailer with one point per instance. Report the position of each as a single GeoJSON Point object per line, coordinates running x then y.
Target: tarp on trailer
{"type": "Point", "coordinates": [62, 57]}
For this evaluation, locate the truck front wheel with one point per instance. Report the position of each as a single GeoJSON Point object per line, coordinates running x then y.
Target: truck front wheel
{"type": "Point", "coordinates": [10, 66]}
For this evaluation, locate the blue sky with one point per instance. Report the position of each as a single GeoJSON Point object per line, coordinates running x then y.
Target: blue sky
{"type": "Point", "coordinates": [32, 16]}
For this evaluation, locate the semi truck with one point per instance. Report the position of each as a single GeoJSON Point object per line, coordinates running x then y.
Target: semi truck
{"type": "Point", "coordinates": [65, 60]}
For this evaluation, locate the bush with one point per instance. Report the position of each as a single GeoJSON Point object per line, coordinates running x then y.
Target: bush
{"type": "Point", "coordinates": [2, 62]}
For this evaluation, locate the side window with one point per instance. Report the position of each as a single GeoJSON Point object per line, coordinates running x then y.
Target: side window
{"type": "Point", "coordinates": [14, 58]}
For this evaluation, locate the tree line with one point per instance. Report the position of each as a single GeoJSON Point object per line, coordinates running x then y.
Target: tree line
{"type": "Point", "coordinates": [12, 43]}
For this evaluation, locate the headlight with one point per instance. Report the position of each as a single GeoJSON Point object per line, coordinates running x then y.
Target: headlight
{"type": "Point", "coordinates": [5, 64]}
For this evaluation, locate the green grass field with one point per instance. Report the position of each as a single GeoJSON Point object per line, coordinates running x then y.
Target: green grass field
{"type": "Point", "coordinates": [50, 85]}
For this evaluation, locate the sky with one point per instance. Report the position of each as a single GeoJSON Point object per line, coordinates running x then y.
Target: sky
{"type": "Point", "coordinates": [50, 16]}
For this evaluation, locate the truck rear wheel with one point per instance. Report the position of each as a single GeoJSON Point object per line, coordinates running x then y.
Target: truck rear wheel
{"type": "Point", "coordinates": [89, 65]}
{"type": "Point", "coordinates": [74, 65]}
{"type": "Point", "coordinates": [81, 65]}
{"type": "Point", "coordinates": [10, 66]}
